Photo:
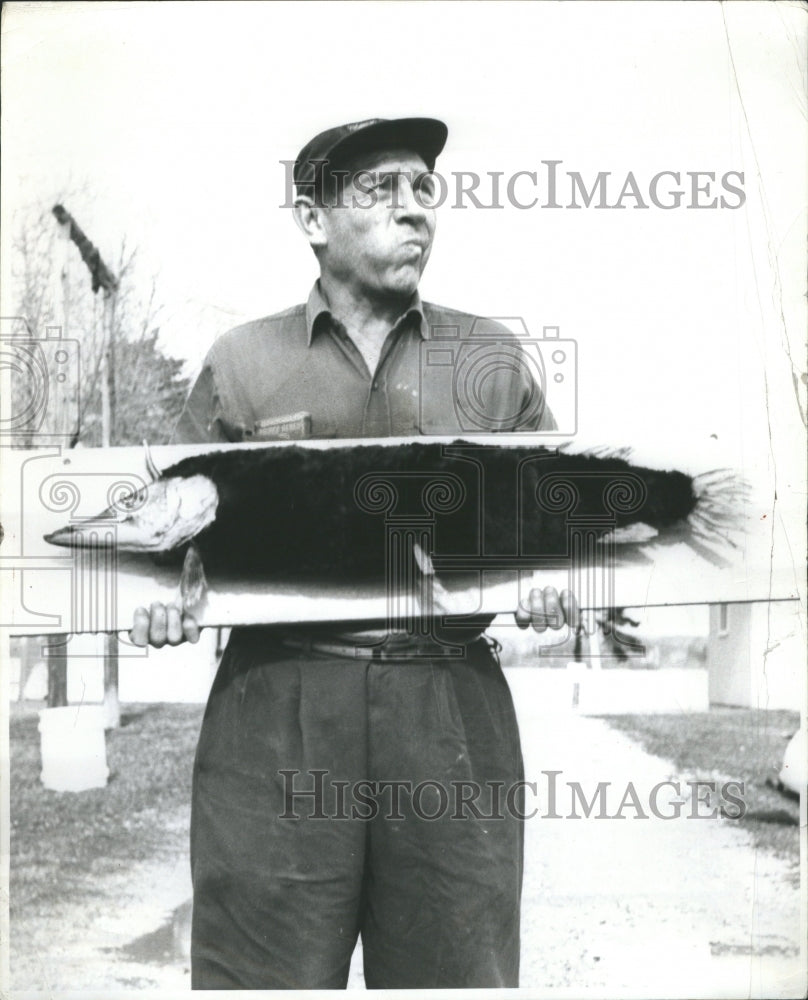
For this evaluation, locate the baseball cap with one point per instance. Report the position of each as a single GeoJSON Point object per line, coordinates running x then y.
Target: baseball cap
{"type": "Point", "coordinates": [424, 136]}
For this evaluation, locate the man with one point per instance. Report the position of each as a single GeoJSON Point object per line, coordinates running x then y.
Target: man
{"type": "Point", "coordinates": [278, 900]}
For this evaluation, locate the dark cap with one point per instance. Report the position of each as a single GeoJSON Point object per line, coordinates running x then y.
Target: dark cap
{"type": "Point", "coordinates": [424, 136]}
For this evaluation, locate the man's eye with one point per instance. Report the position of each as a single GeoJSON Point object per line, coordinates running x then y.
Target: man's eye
{"type": "Point", "coordinates": [426, 186]}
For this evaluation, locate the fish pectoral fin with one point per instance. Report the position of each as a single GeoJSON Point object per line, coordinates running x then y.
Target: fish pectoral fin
{"type": "Point", "coordinates": [433, 596]}
{"type": "Point", "coordinates": [631, 534]}
{"type": "Point", "coordinates": [423, 560]}
{"type": "Point", "coordinates": [193, 584]}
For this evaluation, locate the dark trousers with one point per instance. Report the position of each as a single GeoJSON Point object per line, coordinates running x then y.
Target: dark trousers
{"type": "Point", "coordinates": [426, 871]}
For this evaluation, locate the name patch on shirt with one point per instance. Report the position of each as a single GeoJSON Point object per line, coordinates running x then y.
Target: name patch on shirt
{"type": "Point", "coordinates": [291, 427]}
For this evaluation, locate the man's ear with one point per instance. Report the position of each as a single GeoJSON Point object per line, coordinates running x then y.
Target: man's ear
{"type": "Point", "coordinates": [310, 219]}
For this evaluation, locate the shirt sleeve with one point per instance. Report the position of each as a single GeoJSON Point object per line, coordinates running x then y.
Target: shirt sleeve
{"type": "Point", "coordinates": [203, 420]}
{"type": "Point", "coordinates": [534, 402]}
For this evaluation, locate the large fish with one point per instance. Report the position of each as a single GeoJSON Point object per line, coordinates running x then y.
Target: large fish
{"type": "Point", "coordinates": [291, 512]}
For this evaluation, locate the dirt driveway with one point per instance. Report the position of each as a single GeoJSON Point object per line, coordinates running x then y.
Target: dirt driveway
{"type": "Point", "coordinates": [680, 907]}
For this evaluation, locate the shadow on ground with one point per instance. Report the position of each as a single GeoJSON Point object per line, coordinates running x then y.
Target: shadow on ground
{"type": "Point", "coordinates": [169, 944]}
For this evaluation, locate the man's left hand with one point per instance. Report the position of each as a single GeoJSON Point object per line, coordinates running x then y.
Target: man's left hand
{"type": "Point", "coordinates": [545, 608]}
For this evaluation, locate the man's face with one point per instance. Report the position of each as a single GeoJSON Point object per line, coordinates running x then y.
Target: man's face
{"type": "Point", "coordinates": [379, 233]}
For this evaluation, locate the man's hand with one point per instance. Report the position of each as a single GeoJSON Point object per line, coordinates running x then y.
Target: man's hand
{"type": "Point", "coordinates": [545, 609]}
{"type": "Point", "coordinates": [163, 625]}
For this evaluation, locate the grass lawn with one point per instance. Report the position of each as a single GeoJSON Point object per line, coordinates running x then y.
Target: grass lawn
{"type": "Point", "coordinates": [742, 744]}
{"type": "Point", "coordinates": [62, 842]}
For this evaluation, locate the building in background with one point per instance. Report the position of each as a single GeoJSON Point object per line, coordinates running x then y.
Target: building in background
{"type": "Point", "coordinates": [756, 655]}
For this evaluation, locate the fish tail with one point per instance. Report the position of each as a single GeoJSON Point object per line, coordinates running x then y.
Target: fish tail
{"type": "Point", "coordinates": [716, 519]}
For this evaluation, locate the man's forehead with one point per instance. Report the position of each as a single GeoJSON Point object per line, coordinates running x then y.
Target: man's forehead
{"type": "Point", "coordinates": [384, 160]}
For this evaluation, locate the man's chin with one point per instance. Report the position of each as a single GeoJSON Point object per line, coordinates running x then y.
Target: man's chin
{"type": "Point", "coordinates": [401, 295]}
{"type": "Point", "coordinates": [404, 284]}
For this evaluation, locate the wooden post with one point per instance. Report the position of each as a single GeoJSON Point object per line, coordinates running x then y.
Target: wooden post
{"type": "Point", "coordinates": [110, 302]}
{"type": "Point", "coordinates": [57, 428]}
{"type": "Point", "coordinates": [27, 645]}
{"type": "Point", "coordinates": [106, 395]}
{"type": "Point", "coordinates": [112, 704]}
{"type": "Point", "coordinates": [102, 279]}
{"type": "Point", "coordinates": [57, 671]}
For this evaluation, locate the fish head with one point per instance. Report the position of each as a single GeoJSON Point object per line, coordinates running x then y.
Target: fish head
{"type": "Point", "coordinates": [155, 518]}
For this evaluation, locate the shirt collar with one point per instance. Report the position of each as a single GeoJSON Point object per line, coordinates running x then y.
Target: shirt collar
{"type": "Point", "coordinates": [316, 307]}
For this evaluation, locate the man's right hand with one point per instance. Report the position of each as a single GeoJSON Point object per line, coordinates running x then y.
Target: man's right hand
{"type": "Point", "coordinates": [163, 625]}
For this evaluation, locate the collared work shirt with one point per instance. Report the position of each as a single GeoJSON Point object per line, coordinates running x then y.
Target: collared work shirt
{"type": "Point", "coordinates": [298, 374]}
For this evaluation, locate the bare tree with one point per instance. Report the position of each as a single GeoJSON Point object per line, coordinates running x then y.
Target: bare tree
{"type": "Point", "coordinates": [118, 331]}
{"type": "Point", "coordinates": [147, 401]}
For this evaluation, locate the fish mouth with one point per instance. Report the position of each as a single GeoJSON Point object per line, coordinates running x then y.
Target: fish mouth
{"type": "Point", "coordinates": [173, 512]}
{"type": "Point", "coordinates": [62, 536]}
{"type": "Point", "coordinates": [72, 537]}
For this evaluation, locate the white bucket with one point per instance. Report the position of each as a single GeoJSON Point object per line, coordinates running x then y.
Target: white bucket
{"type": "Point", "coordinates": [74, 750]}
{"type": "Point", "coordinates": [794, 774]}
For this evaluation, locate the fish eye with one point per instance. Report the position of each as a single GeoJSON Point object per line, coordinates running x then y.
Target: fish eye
{"type": "Point", "coordinates": [131, 501]}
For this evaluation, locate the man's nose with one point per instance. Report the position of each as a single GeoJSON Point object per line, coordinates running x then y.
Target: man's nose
{"type": "Point", "coordinates": [408, 205]}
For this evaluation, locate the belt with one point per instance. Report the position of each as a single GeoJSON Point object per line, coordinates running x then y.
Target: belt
{"type": "Point", "coordinates": [350, 651]}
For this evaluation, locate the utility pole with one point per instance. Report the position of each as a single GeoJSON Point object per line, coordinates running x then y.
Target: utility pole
{"type": "Point", "coordinates": [104, 280]}
{"type": "Point", "coordinates": [57, 416]}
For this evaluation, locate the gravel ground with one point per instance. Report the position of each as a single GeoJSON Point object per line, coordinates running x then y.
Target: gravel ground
{"type": "Point", "coordinates": [652, 907]}
{"type": "Point", "coordinates": [612, 907]}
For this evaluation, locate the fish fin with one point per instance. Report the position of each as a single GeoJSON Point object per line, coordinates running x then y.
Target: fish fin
{"type": "Point", "coordinates": [631, 534]}
{"type": "Point", "coordinates": [601, 451]}
{"type": "Point", "coordinates": [423, 560]}
{"type": "Point", "coordinates": [193, 584]}
{"type": "Point", "coordinates": [151, 465]}
{"type": "Point", "coordinates": [433, 596]}
{"type": "Point", "coordinates": [717, 521]}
